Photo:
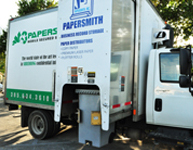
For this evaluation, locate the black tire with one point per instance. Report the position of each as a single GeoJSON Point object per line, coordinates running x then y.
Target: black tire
{"type": "Point", "coordinates": [111, 137]}
{"type": "Point", "coordinates": [56, 127]}
{"type": "Point", "coordinates": [40, 124]}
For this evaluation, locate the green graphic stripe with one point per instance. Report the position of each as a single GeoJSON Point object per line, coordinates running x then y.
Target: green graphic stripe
{"type": "Point", "coordinates": [29, 63]}
{"type": "Point", "coordinates": [37, 97]}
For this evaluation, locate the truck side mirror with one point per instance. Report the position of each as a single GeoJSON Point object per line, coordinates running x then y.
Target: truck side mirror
{"type": "Point", "coordinates": [186, 67]}
{"type": "Point", "coordinates": [185, 61]}
{"type": "Point", "coordinates": [184, 81]}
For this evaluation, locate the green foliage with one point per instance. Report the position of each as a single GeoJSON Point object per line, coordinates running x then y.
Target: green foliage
{"type": "Point", "coordinates": [26, 6]}
{"type": "Point", "coordinates": [2, 62]}
{"type": "Point", "coordinates": [179, 14]}
{"type": "Point", "coordinates": [3, 41]}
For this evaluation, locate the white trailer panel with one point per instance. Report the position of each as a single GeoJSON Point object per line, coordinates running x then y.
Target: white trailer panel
{"type": "Point", "coordinates": [31, 58]}
{"type": "Point", "coordinates": [84, 44]}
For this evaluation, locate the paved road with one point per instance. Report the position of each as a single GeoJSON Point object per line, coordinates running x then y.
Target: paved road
{"type": "Point", "coordinates": [13, 137]}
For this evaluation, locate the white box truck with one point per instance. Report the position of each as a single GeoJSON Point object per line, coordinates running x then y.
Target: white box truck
{"type": "Point", "coordinates": [98, 63]}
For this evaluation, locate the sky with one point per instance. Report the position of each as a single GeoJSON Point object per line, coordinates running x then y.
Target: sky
{"type": "Point", "coordinates": [7, 8]}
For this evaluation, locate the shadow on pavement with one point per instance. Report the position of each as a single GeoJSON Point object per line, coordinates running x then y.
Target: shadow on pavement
{"type": "Point", "coordinates": [8, 113]}
{"type": "Point", "coordinates": [4, 140]}
{"type": "Point", "coordinates": [67, 139]}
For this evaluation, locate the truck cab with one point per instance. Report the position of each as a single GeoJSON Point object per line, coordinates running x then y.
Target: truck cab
{"type": "Point", "coordinates": [167, 103]}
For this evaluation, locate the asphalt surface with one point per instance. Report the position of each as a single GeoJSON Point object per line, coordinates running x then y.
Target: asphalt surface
{"type": "Point", "coordinates": [13, 137]}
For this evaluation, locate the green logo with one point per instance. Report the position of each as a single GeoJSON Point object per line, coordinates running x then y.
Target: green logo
{"type": "Point", "coordinates": [24, 36]}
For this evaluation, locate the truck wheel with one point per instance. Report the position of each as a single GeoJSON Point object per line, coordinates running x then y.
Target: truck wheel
{"type": "Point", "coordinates": [56, 127]}
{"type": "Point", "coordinates": [111, 137]}
{"type": "Point", "coordinates": [40, 124]}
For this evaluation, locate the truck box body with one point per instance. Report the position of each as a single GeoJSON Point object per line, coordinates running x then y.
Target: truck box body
{"type": "Point", "coordinates": [97, 38]}
{"type": "Point", "coordinates": [94, 47]}
{"type": "Point", "coordinates": [31, 59]}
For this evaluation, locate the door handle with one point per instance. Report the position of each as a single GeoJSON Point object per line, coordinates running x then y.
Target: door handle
{"type": "Point", "coordinates": [158, 105]}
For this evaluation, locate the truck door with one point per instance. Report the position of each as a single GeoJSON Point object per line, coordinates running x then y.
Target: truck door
{"type": "Point", "coordinates": [172, 105]}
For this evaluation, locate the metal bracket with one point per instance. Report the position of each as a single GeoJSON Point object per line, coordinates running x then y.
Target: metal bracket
{"type": "Point", "coordinates": [55, 100]}
{"type": "Point", "coordinates": [79, 115]}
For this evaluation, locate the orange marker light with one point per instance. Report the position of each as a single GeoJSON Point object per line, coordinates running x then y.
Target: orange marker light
{"type": "Point", "coordinates": [134, 111]}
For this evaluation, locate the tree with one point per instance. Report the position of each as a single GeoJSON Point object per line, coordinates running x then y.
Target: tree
{"type": "Point", "coordinates": [3, 39]}
{"type": "Point", "coordinates": [2, 62]}
{"type": "Point", "coordinates": [177, 13]}
{"type": "Point", "coordinates": [26, 6]}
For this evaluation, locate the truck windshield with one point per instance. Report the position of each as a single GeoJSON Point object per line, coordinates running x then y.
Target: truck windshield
{"type": "Point", "coordinates": [169, 67]}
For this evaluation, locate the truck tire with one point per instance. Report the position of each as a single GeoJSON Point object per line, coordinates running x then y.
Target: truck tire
{"type": "Point", "coordinates": [111, 137]}
{"type": "Point", "coordinates": [56, 127]}
{"type": "Point", "coordinates": [40, 124]}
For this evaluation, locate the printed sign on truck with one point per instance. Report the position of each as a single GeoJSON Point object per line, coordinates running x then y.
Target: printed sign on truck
{"type": "Point", "coordinates": [81, 9]}
{"type": "Point", "coordinates": [32, 58]}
